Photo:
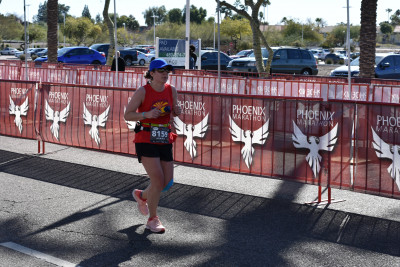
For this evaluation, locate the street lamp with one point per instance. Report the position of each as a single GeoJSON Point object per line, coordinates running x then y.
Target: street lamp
{"type": "Point", "coordinates": [64, 28]}
{"type": "Point", "coordinates": [27, 15]}
{"type": "Point", "coordinates": [26, 60]}
{"type": "Point", "coordinates": [154, 19]}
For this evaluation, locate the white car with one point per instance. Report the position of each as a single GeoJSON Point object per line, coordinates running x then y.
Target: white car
{"type": "Point", "coordinates": [141, 59]}
{"type": "Point", "coordinates": [19, 53]}
{"type": "Point", "coordinates": [8, 51]}
{"type": "Point", "coordinates": [318, 54]}
{"type": "Point", "coordinates": [151, 55]}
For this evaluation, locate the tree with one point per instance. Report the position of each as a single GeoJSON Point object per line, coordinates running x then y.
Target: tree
{"type": "Point", "coordinates": [235, 29]}
{"type": "Point", "coordinates": [52, 37]}
{"type": "Point", "coordinates": [368, 38]}
{"type": "Point", "coordinates": [10, 27]}
{"type": "Point", "coordinates": [110, 26]}
{"type": "Point", "coordinates": [81, 30]}
{"type": "Point", "coordinates": [386, 29]}
{"type": "Point", "coordinates": [258, 37]}
{"type": "Point", "coordinates": [196, 15]}
{"type": "Point", "coordinates": [86, 13]}
{"type": "Point", "coordinates": [175, 16]}
{"type": "Point", "coordinates": [36, 32]}
{"type": "Point", "coordinates": [320, 22]}
{"type": "Point", "coordinates": [395, 18]}
{"type": "Point", "coordinates": [42, 13]}
{"type": "Point", "coordinates": [98, 19]}
{"type": "Point", "coordinates": [388, 10]}
{"type": "Point", "coordinates": [160, 12]}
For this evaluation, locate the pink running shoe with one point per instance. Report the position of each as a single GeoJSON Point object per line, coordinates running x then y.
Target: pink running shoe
{"type": "Point", "coordinates": [142, 204]}
{"type": "Point", "coordinates": [155, 225]}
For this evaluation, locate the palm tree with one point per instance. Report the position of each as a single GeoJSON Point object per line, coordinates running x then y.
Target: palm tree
{"type": "Point", "coordinates": [368, 38]}
{"type": "Point", "coordinates": [110, 26]}
{"type": "Point", "coordinates": [388, 10]}
{"type": "Point", "coordinates": [52, 36]}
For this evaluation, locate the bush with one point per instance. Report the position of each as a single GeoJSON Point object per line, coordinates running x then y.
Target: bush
{"type": "Point", "coordinates": [34, 57]}
{"type": "Point", "coordinates": [22, 57]}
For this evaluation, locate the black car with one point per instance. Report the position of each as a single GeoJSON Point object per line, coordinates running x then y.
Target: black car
{"type": "Point", "coordinates": [335, 58]}
{"type": "Point", "coordinates": [130, 56]}
{"type": "Point", "coordinates": [209, 60]}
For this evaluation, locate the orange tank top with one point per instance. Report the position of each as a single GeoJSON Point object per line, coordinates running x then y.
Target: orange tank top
{"type": "Point", "coordinates": [163, 101]}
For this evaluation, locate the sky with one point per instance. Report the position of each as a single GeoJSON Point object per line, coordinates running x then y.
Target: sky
{"type": "Point", "coordinates": [332, 11]}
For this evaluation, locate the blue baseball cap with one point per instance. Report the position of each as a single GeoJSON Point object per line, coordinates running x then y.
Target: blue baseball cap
{"type": "Point", "coordinates": [159, 63]}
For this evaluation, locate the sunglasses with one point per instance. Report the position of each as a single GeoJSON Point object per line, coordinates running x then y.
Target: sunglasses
{"type": "Point", "coordinates": [163, 70]}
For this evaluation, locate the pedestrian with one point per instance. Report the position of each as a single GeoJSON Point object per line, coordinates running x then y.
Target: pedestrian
{"type": "Point", "coordinates": [121, 63]}
{"type": "Point", "coordinates": [193, 57]}
{"type": "Point", "coordinates": [153, 106]}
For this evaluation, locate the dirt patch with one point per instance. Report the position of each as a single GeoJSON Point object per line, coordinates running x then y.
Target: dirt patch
{"type": "Point", "coordinates": [325, 69]}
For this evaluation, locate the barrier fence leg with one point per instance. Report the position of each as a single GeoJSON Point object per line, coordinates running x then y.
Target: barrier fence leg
{"type": "Point", "coordinates": [39, 147]}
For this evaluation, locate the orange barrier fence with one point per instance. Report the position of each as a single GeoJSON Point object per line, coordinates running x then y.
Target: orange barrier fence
{"type": "Point", "coordinates": [334, 142]}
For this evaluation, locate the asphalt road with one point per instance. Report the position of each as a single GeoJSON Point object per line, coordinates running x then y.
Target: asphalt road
{"type": "Point", "coordinates": [74, 206]}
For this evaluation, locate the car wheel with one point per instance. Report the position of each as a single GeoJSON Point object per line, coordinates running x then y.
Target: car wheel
{"type": "Point", "coordinates": [128, 61]}
{"type": "Point", "coordinates": [96, 62]}
{"type": "Point", "coordinates": [306, 72]}
{"type": "Point", "coordinates": [141, 62]}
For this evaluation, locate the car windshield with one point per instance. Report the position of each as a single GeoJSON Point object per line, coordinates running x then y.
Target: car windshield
{"type": "Point", "coordinates": [264, 52]}
{"type": "Point", "coordinates": [356, 62]}
{"type": "Point", "coordinates": [62, 51]}
{"type": "Point", "coordinates": [242, 53]}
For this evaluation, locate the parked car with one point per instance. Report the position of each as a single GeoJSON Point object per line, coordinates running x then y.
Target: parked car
{"type": "Point", "coordinates": [128, 55]}
{"type": "Point", "coordinates": [141, 57]}
{"type": "Point", "coordinates": [19, 53]}
{"type": "Point", "coordinates": [243, 53]}
{"type": "Point", "coordinates": [285, 60]}
{"type": "Point", "coordinates": [209, 60]}
{"type": "Point", "coordinates": [78, 55]}
{"type": "Point", "coordinates": [8, 51]}
{"type": "Point", "coordinates": [318, 54]}
{"type": "Point", "coordinates": [151, 55]}
{"type": "Point", "coordinates": [336, 58]}
{"type": "Point", "coordinates": [36, 50]}
{"type": "Point", "coordinates": [387, 66]}
{"type": "Point", "coordinates": [42, 53]}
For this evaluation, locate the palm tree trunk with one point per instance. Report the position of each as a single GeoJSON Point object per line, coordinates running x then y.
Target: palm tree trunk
{"type": "Point", "coordinates": [52, 37]}
{"type": "Point", "coordinates": [110, 26]}
{"type": "Point", "coordinates": [368, 38]}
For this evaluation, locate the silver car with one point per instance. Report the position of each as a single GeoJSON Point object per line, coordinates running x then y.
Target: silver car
{"type": "Point", "coordinates": [8, 51]}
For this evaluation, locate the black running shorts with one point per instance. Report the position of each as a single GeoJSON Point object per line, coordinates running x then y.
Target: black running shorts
{"type": "Point", "coordinates": [164, 152]}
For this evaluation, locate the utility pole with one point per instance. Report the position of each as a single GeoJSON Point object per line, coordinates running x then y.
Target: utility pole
{"type": "Point", "coordinates": [64, 28]}
{"type": "Point", "coordinates": [154, 22]}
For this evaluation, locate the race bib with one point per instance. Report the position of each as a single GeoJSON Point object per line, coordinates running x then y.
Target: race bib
{"type": "Point", "coordinates": [159, 135]}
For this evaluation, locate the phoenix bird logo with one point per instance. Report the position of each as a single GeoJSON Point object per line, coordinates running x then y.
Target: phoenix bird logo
{"type": "Point", "coordinates": [95, 121]}
{"type": "Point", "coordinates": [18, 111]}
{"type": "Point", "coordinates": [248, 138]}
{"type": "Point", "coordinates": [392, 152]}
{"type": "Point", "coordinates": [131, 124]}
{"type": "Point", "coordinates": [314, 144]}
{"type": "Point", "coordinates": [191, 131]}
{"type": "Point", "coordinates": [56, 117]}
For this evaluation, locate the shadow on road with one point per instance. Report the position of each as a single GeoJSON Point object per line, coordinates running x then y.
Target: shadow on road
{"type": "Point", "coordinates": [257, 229]}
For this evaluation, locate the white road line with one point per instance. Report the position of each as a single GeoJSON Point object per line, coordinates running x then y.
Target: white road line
{"type": "Point", "coordinates": [37, 254]}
